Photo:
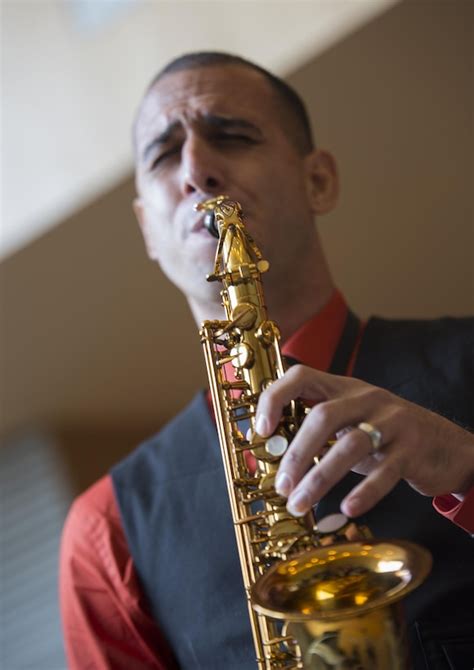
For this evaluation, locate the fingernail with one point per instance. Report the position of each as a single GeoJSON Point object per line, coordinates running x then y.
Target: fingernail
{"type": "Point", "coordinates": [349, 506]}
{"type": "Point", "coordinates": [261, 425]}
{"type": "Point", "coordinates": [283, 484]}
{"type": "Point", "coordinates": [298, 504]}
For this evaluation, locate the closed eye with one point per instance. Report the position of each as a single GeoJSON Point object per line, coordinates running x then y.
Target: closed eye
{"type": "Point", "coordinates": [164, 156]}
{"type": "Point", "coordinates": [235, 137]}
{"type": "Point", "coordinates": [225, 138]}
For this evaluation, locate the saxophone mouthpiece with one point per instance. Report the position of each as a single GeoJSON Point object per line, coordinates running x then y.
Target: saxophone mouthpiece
{"type": "Point", "coordinates": [209, 206]}
{"type": "Point", "coordinates": [210, 224]}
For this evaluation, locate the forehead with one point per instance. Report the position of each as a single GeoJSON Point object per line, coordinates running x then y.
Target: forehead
{"type": "Point", "coordinates": [229, 90]}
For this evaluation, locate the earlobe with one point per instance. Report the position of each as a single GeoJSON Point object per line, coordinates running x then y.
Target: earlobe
{"type": "Point", "coordinates": [323, 181]}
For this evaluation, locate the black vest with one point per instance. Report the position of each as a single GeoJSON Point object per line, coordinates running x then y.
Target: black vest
{"type": "Point", "coordinates": [173, 501]}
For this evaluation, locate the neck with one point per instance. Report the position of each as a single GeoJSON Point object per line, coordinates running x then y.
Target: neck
{"type": "Point", "coordinates": [291, 311]}
{"type": "Point", "coordinates": [291, 300]}
{"type": "Point", "coordinates": [297, 296]}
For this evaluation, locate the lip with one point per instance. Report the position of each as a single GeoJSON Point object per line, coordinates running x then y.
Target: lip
{"type": "Point", "coordinates": [197, 225]}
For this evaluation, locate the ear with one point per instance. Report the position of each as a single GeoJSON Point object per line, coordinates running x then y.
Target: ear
{"type": "Point", "coordinates": [322, 181]}
{"type": "Point", "coordinates": [139, 210]}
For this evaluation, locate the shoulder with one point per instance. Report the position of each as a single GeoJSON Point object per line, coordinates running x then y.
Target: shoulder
{"type": "Point", "coordinates": [101, 599]}
{"type": "Point", "coordinates": [93, 540]}
{"type": "Point", "coordinates": [95, 565]}
{"type": "Point", "coordinates": [447, 342]}
{"type": "Point", "coordinates": [98, 499]}
{"type": "Point", "coordinates": [434, 330]}
{"type": "Point", "coordinates": [93, 508]}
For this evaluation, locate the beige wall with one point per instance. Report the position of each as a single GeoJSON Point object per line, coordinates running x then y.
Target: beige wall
{"type": "Point", "coordinates": [394, 102]}
{"type": "Point", "coordinates": [95, 340]}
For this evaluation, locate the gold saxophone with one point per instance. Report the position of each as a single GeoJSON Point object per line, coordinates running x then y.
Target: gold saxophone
{"type": "Point", "coordinates": [316, 599]}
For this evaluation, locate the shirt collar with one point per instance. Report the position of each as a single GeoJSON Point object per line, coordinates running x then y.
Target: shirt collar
{"type": "Point", "coordinates": [314, 343]}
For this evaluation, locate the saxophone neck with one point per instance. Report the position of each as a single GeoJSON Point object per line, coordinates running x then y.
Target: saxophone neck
{"type": "Point", "coordinates": [238, 258]}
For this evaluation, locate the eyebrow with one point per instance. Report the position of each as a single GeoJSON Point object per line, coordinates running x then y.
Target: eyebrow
{"type": "Point", "coordinates": [211, 120]}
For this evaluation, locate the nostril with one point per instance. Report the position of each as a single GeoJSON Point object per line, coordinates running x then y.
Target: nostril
{"type": "Point", "coordinates": [211, 182]}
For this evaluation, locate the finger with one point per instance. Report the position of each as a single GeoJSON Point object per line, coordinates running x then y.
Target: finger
{"type": "Point", "coordinates": [374, 487]}
{"type": "Point", "coordinates": [348, 451]}
{"type": "Point", "coordinates": [324, 421]}
{"type": "Point", "coordinates": [298, 382]}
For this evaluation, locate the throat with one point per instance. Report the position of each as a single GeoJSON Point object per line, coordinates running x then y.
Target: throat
{"type": "Point", "coordinates": [291, 310]}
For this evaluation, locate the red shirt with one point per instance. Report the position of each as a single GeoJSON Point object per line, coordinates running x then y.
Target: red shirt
{"type": "Point", "coordinates": [105, 620]}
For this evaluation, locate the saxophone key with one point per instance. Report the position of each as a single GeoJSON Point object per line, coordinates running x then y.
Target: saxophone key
{"type": "Point", "coordinates": [269, 449]}
{"type": "Point", "coordinates": [276, 445]}
{"type": "Point", "coordinates": [244, 316]}
{"type": "Point", "coordinates": [258, 517]}
{"type": "Point", "coordinates": [286, 527]}
{"type": "Point", "coordinates": [267, 489]}
{"type": "Point", "coordinates": [235, 385]}
{"type": "Point", "coordinates": [267, 333]}
{"type": "Point", "coordinates": [242, 356]}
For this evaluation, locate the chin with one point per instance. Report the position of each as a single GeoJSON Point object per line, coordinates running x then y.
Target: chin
{"type": "Point", "coordinates": [207, 296]}
{"type": "Point", "coordinates": [191, 280]}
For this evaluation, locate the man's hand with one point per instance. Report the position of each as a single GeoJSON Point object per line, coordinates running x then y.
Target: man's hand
{"type": "Point", "coordinates": [434, 455]}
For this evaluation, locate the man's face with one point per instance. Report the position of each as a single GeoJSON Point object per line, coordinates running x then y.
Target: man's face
{"type": "Point", "coordinates": [210, 131]}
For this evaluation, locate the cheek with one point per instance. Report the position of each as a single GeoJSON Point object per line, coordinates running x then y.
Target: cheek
{"type": "Point", "coordinates": [160, 206]}
{"type": "Point", "coordinates": [159, 201]}
{"type": "Point", "coordinates": [160, 190]}
{"type": "Point", "coordinates": [156, 229]}
{"type": "Point", "coordinates": [149, 233]}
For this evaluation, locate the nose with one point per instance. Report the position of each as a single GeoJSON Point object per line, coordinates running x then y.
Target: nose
{"type": "Point", "coordinates": [201, 167]}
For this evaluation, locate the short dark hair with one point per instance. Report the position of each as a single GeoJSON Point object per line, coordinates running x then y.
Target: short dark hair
{"type": "Point", "coordinates": [298, 122]}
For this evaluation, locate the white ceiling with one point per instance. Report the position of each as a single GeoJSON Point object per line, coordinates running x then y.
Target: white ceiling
{"type": "Point", "coordinates": [73, 71]}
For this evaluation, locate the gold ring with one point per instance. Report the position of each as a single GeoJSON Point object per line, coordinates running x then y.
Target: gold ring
{"type": "Point", "coordinates": [374, 434]}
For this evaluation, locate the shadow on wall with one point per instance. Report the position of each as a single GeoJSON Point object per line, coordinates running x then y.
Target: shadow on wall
{"type": "Point", "coordinates": [93, 333]}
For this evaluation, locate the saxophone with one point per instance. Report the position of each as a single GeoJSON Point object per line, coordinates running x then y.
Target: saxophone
{"type": "Point", "coordinates": [318, 598]}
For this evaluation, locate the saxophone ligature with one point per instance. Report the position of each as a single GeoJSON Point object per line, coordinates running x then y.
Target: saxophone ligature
{"type": "Point", "coordinates": [317, 598]}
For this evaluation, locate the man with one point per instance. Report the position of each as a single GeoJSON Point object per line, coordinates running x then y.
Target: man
{"type": "Point", "coordinates": [149, 574]}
